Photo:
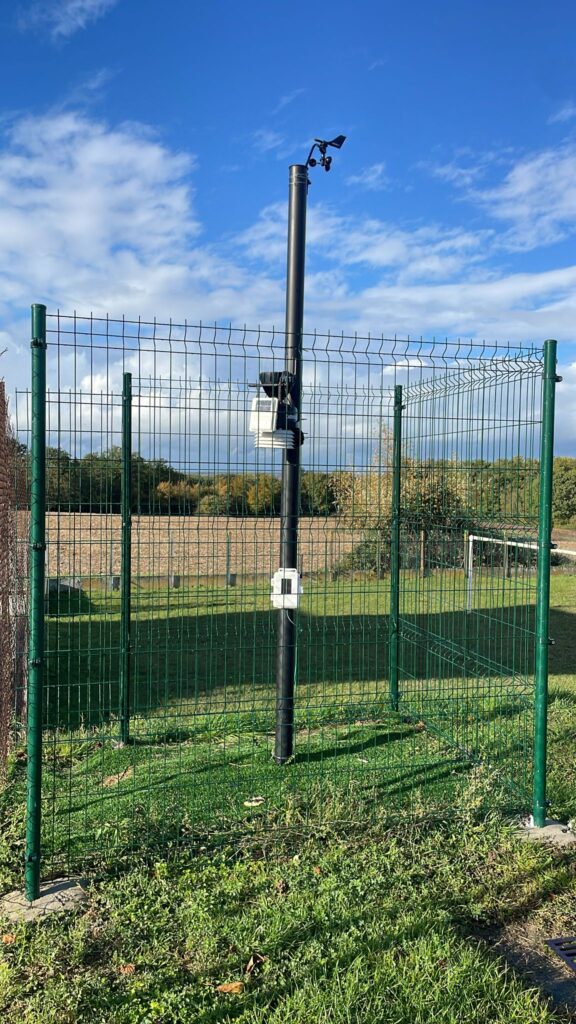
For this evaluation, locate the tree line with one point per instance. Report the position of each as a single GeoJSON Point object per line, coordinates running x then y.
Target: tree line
{"type": "Point", "coordinates": [93, 483]}
{"type": "Point", "coordinates": [504, 488]}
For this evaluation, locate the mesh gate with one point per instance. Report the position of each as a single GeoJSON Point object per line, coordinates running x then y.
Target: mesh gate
{"type": "Point", "coordinates": [162, 535]}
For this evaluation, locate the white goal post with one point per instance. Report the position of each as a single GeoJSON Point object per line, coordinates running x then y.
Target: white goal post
{"type": "Point", "coordinates": [471, 538]}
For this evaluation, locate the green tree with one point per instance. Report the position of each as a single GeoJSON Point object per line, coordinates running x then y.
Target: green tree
{"type": "Point", "coordinates": [564, 491]}
{"type": "Point", "coordinates": [100, 480]}
{"type": "Point", "coordinates": [263, 495]}
{"type": "Point", "coordinates": [212, 505]}
{"type": "Point", "coordinates": [62, 481]}
{"type": "Point", "coordinates": [317, 496]}
{"type": "Point", "coordinates": [233, 489]}
{"type": "Point", "coordinates": [179, 497]}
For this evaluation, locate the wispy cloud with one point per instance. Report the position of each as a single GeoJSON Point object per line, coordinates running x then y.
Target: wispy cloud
{"type": "Point", "coordinates": [63, 18]}
{"type": "Point", "coordinates": [468, 167]}
{"type": "Point", "coordinates": [372, 178]}
{"type": "Point", "coordinates": [428, 253]}
{"type": "Point", "coordinates": [115, 214]}
{"type": "Point", "coordinates": [266, 140]}
{"type": "Point", "coordinates": [379, 63]}
{"type": "Point", "coordinates": [566, 113]}
{"type": "Point", "coordinates": [537, 197]}
{"type": "Point", "coordinates": [455, 173]}
{"type": "Point", "coordinates": [286, 100]}
{"type": "Point", "coordinates": [114, 209]}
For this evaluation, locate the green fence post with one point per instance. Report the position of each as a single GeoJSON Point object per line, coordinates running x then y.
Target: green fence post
{"type": "Point", "coordinates": [126, 560]}
{"type": "Point", "coordinates": [393, 622]}
{"type": "Point", "coordinates": [37, 582]}
{"type": "Point", "coordinates": [543, 592]}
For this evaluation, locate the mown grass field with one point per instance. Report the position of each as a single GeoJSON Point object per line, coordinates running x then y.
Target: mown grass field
{"type": "Point", "coordinates": [377, 922]}
{"type": "Point", "coordinates": [202, 710]}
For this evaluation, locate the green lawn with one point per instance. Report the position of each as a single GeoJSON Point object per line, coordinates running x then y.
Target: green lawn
{"type": "Point", "coordinates": [202, 706]}
{"type": "Point", "coordinates": [377, 930]}
{"type": "Point", "coordinates": [359, 918]}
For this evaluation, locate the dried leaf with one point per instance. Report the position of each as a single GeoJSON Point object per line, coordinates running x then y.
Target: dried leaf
{"type": "Point", "coordinates": [113, 780]}
{"type": "Point", "coordinates": [8, 938]}
{"type": "Point", "coordinates": [316, 871]}
{"type": "Point", "coordinates": [254, 801]}
{"type": "Point", "coordinates": [255, 960]}
{"type": "Point", "coordinates": [281, 886]}
{"type": "Point", "coordinates": [127, 969]}
{"type": "Point", "coordinates": [232, 988]}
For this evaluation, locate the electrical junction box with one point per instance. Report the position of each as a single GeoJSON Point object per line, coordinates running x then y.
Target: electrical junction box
{"type": "Point", "coordinates": [272, 422]}
{"type": "Point", "coordinates": [286, 588]}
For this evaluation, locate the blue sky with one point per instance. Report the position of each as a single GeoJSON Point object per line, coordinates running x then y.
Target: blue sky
{"type": "Point", "coordinates": [144, 151]}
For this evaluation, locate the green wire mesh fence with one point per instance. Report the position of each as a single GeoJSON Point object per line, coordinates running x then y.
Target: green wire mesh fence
{"type": "Point", "coordinates": [418, 548]}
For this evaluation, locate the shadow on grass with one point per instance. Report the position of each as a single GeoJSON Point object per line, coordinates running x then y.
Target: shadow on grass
{"type": "Point", "coordinates": [202, 704]}
{"type": "Point", "coordinates": [207, 663]}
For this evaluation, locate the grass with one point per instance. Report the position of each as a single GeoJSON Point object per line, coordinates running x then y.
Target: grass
{"type": "Point", "coordinates": [203, 711]}
{"type": "Point", "coordinates": [375, 923]}
{"type": "Point", "coordinates": [378, 929]}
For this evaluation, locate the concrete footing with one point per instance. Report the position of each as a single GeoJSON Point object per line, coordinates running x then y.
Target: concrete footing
{"type": "Point", "coordinates": [56, 897]}
{"type": "Point", "coordinates": [555, 832]}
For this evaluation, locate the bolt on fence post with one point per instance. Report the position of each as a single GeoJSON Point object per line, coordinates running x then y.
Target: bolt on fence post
{"type": "Point", "coordinates": [37, 599]}
{"type": "Point", "coordinates": [286, 659]}
{"type": "Point", "coordinates": [543, 586]}
{"type": "Point", "coordinates": [394, 617]}
{"type": "Point", "coordinates": [126, 560]}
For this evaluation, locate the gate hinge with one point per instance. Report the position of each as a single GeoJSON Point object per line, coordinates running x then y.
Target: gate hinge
{"type": "Point", "coordinates": [37, 546]}
{"type": "Point", "coordinates": [551, 642]}
{"type": "Point", "coordinates": [36, 662]}
{"type": "Point", "coordinates": [558, 378]}
{"type": "Point", "coordinates": [38, 343]}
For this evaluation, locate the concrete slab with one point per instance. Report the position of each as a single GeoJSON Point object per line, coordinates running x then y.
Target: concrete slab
{"type": "Point", "coordinates": [555, 832]}
{"type": "Point", "coordinates": [56, 897]}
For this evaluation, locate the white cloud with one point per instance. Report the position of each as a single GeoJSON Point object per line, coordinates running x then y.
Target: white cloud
{"type": "Point", "coordinates": [99, 218]}
{"type": "Point", "coordinates": [372, 178]}
{"type": "Point", "coordinates": [63, 18]}
{"type": "Point", "coordinates": [456, 174]}
{"type": "Point", "coordinates": [266, 140]}
{"type": "Point", "coordinates": [430, 252]}
{"type": "Point", "coordinates": [468, 167]}
{"type": "Point", "coordinates": [537, 197]}
{"type": "Point", "coordinates": [565, 113]}
{"type": "Point", "coordinates": [287, 99]}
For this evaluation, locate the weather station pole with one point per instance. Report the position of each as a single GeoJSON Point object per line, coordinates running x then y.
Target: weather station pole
{"type": "Point", "coordinates": [290, 495]}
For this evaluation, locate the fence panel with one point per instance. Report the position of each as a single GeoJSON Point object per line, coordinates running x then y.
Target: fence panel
{"type": "Point", "coordinates": [159, 698]}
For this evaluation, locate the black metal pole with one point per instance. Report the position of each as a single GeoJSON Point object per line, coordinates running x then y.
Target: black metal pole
{"type": "Point", "coordinates": [286, 660]}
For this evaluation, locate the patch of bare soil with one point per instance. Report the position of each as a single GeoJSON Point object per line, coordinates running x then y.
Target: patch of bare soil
{"type": "Point", "coordinates": [522, 944]}
{"type": "Point", "coordinates": [565, 538]}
